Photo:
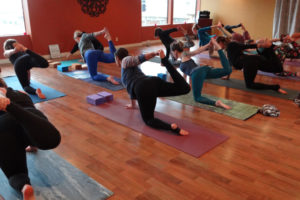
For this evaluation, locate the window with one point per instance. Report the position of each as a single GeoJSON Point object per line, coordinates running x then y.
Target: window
{"type": "Point", "coordinates": [184, 11]}
{"type": "Point", "coordinates": [154, 12]}
{"type": "Point", "coordinates": [11, 18]}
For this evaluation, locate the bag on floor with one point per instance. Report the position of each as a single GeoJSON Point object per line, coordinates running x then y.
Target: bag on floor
{"type": "Point", "coordinates": [269, 110]}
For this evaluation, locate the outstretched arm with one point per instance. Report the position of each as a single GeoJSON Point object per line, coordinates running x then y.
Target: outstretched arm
{"type": "Point", "coordinates": [199, 50]}
{"type": "Point", "coordinates": [96, 34]}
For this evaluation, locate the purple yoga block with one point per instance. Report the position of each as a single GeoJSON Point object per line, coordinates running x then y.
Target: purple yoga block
{"type": "Point", "coordinates": [95, 99]}
{"type": "Point", "coordinates": [108, 96]}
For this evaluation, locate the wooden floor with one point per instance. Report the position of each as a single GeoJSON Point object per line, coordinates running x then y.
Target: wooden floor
{"type": "Point", "coordinates": [261, 159]}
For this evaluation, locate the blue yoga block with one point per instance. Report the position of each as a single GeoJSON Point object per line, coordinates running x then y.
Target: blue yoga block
{"type": "Point", "coordinates": [108, 96]}
{"type": "Point", "coordinates": [95, 99]}
{"type": "Point", "coordinates": [62, 68]}
{"type": "Point", "coordinates": [162, 76]}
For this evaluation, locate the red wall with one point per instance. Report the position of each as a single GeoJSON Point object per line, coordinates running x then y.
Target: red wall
{"type": "Point", "coordinates": [54, 21]}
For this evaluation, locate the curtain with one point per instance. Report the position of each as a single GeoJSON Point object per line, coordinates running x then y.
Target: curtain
{"type": "Point", "coordinates": [286, 17]}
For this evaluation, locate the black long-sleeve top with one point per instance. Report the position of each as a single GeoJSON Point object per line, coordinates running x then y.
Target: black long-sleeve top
{"type": "Point", "coordinates": [39, 130]}
{"type": "Point", "coordinates": [96, 43]}
{"type": "Point", "coordinates": [235, 51]}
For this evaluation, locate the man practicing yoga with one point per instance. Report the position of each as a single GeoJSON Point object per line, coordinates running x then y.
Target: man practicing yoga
{"type": "Point", "coordinates": [23, 60]}
{"type": "Point", "coordinates": [92, 56]}
{"type": "Point", "coordinates": [199, 73]}
{"type": "Point", "coordinates": [21, 127]}
{"type": "Point", "coordinates": [146, 89]}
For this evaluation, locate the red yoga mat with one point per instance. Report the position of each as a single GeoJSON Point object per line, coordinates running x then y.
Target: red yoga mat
{"type": "Point", "coordinates": [199, 141]}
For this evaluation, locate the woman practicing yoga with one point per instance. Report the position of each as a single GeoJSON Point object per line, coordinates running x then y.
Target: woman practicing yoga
{"type": "Point", "coordinates": [266, 61]}
{"type": "Point", "coordinates": [23, 60]}
{"type": "Point", "coordinates": [21, 126]}
{"type": "Point", "coordinates": [96, 43]}
{"type": "Point", "coordinates": [145, 89]}
{"type": "Point", "coordinates": [237, 37]}
{"type": "Point", "coordinates": [199, 73]}
{"type": "Point", "coordinates": [92, 56]}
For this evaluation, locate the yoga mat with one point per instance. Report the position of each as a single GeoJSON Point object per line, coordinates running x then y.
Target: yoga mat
{"type": "Point", "coordinates": [240, 84]}
{"type": "Point", "coordinates": [105, 84]}
{"type": "Point", "coordinates": [54, 178]}
{"type": "Point", "coordinates": [50, 93]}
{"type": "Point", "coordinates": [239, 110]}
{"type": "Point", "coordinates": [199, 141]}
{"type": "Point", "coordinates": [296, 78]}
{"type": "Point", "coordinates": [67, 63]}
{"type": "Point", "coordinates": [85, 76]}
{"type": "Point", "coordinates": [293, 62]}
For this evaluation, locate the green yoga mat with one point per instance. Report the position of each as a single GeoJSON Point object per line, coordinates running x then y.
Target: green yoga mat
{"type": "Point", "coordinates": [239, 110]}
{"type": "Point", "coordinates": [240, 84]}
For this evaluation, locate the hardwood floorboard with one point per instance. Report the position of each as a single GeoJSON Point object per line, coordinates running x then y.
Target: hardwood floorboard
{"type": "Point", "coordinates": [260, 160]}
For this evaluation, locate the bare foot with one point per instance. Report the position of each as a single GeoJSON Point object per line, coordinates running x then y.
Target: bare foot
{"type": "Point", "coordinates": [226, 77]}
{"type": "Point", "coordinates": [181, 132]}
{"type": "Point", "coordinates": [28, 192]}
{"type": "Point", "coordinates": [40, 94]}
{"type": "Point", "coordinates": [222, 105]}
{"type": "Point", "coordinates": [112, 80]}
{"type": "Point", "coordinates": [31, 149]}
{"type": "Point", "coordinates": [282, 91]}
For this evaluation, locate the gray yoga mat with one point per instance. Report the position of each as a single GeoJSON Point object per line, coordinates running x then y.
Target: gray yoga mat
{"type": "Point", "coordinates": [296, 78]}
{"type": "Point", "coordinates": [54, 178]}
{"type": "Point", "coordinates": [239, 110]}
{"type": "Point", "coordinates": [240, 84]}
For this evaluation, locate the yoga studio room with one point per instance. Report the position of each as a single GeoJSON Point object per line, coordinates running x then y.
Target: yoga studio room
{"type": "Point", "coordinates": [150, 100]}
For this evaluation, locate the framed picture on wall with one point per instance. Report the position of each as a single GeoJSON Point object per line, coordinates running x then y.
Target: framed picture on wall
{"type": "Point", "coordinates": [54, 51]}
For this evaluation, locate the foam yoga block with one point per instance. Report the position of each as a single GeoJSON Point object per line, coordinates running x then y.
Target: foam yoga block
{"type": "Point", "coordinates": [62, 68]}
{"type": "Point", "coordinates": [95, 99]}
{"type": "Point", "coordinates": [108, 96]}
{"type": "Point", "coordinates": [162, 76]}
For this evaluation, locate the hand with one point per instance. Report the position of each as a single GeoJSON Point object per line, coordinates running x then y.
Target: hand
{"type": "Point", "coordinates": [130, 106]}
{"type": "Point", "coordinates": [161, 54]}
{"type": "Point", "coordinates": [3, 92]}
{"type": "Point", "coordinates": [4, 101]}
{"type": "Point", "coordinates": [219, 24]}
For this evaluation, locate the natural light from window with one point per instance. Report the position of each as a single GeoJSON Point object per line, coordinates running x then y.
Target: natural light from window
{"type": "Point", "coordinates": [184, 11]}
{"type": "Point", "coordinates": [154, 12]}
{"type": "Point", "coordinates": [11, 18]}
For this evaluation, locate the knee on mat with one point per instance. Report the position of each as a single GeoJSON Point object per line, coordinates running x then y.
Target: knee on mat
{"type": "Point", "coordinates": [51, 143]}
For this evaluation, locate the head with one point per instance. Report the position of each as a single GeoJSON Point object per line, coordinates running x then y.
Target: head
{"type": "Point", "coordinates": [77, 35]}
{"type": "Point", "coordinates": [223, 41]}
{"type": "Point", "coordinates": [157, 31]}
{"type": "Point", "coordinates": [119, 55]}
{"type": "Point", "coordinates": [2, 83]}
{"type": "Point", "coordinates": [177, 48]}
{"type": "Point", "coordinates": [195, 28]}
{"type": "Point", "coordinates": [9, 44]}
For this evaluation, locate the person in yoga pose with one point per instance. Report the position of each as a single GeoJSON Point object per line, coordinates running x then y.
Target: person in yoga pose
{"type": "Point", "coordinates": [237, 37]}
{"type": "Point", "coordinates": [199, 73]}
{"type": "Point", "coordinates": [92, 56]}
{"type": "Point", "coordinates": [21, 126]}
{"type": "Point", "coordinates": [23, 60]}
{"type": "Point", "coordinates": [265, 61]}
{"type": "Point", "coordinates": [146, 89]}
{"type": "Point", "coordinates": [204, 37]}
{"type": "Point", "coordinates": [96, 43]}
{"type": "Point", "coordinates": [165, 38]}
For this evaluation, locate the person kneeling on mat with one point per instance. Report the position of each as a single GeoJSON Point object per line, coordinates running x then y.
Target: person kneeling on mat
{"type": "Point", "coordinates": [23, 60]}
{"type": "Point", "coordinates": [92, 56]}
{"type": "Point", "coordinates": [21, 126]}
{"type": "Point", "coordinates": [145, 89]}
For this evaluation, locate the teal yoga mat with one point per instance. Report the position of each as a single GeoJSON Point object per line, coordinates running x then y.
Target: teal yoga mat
{"type": "Point", "coordinates": [50, 93]}
{"type": "Point", "coordinates": [54, 178]}
{"type": "Point", "coordinates": [239, 110]}
{"type": "Point", "coordinates": [86, 77]}
{"type": "Point", "coordinates": [240, 85]}
{"type": "Point", "coordinates": [67, 63]}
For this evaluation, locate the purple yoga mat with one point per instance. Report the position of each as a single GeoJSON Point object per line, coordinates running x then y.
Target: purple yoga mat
{"type": "Point", "coordinates": [295, 62]}
{"type": "Point", "coordinates": [199, 141]}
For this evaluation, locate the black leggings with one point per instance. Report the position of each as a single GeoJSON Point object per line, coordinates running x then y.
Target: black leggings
{"type": "Point", "coordinates": [149, 88]}
{"type": "Point", "coordinates": [23, 64]}
{"type": "Point", "coordinates": [20, 127]}
{"type": "Point", "coordinates": [267, 61]}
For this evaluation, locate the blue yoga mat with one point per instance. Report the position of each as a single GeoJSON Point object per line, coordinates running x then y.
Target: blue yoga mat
{"type": "Point", "coordinates": [54, 178]}
{"type": "Point", "coordinates": [85, 76]}
{"type": "Point", "coordinates": [50, 93]}
{"type": "Point", "coordinates": [68, 63]}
